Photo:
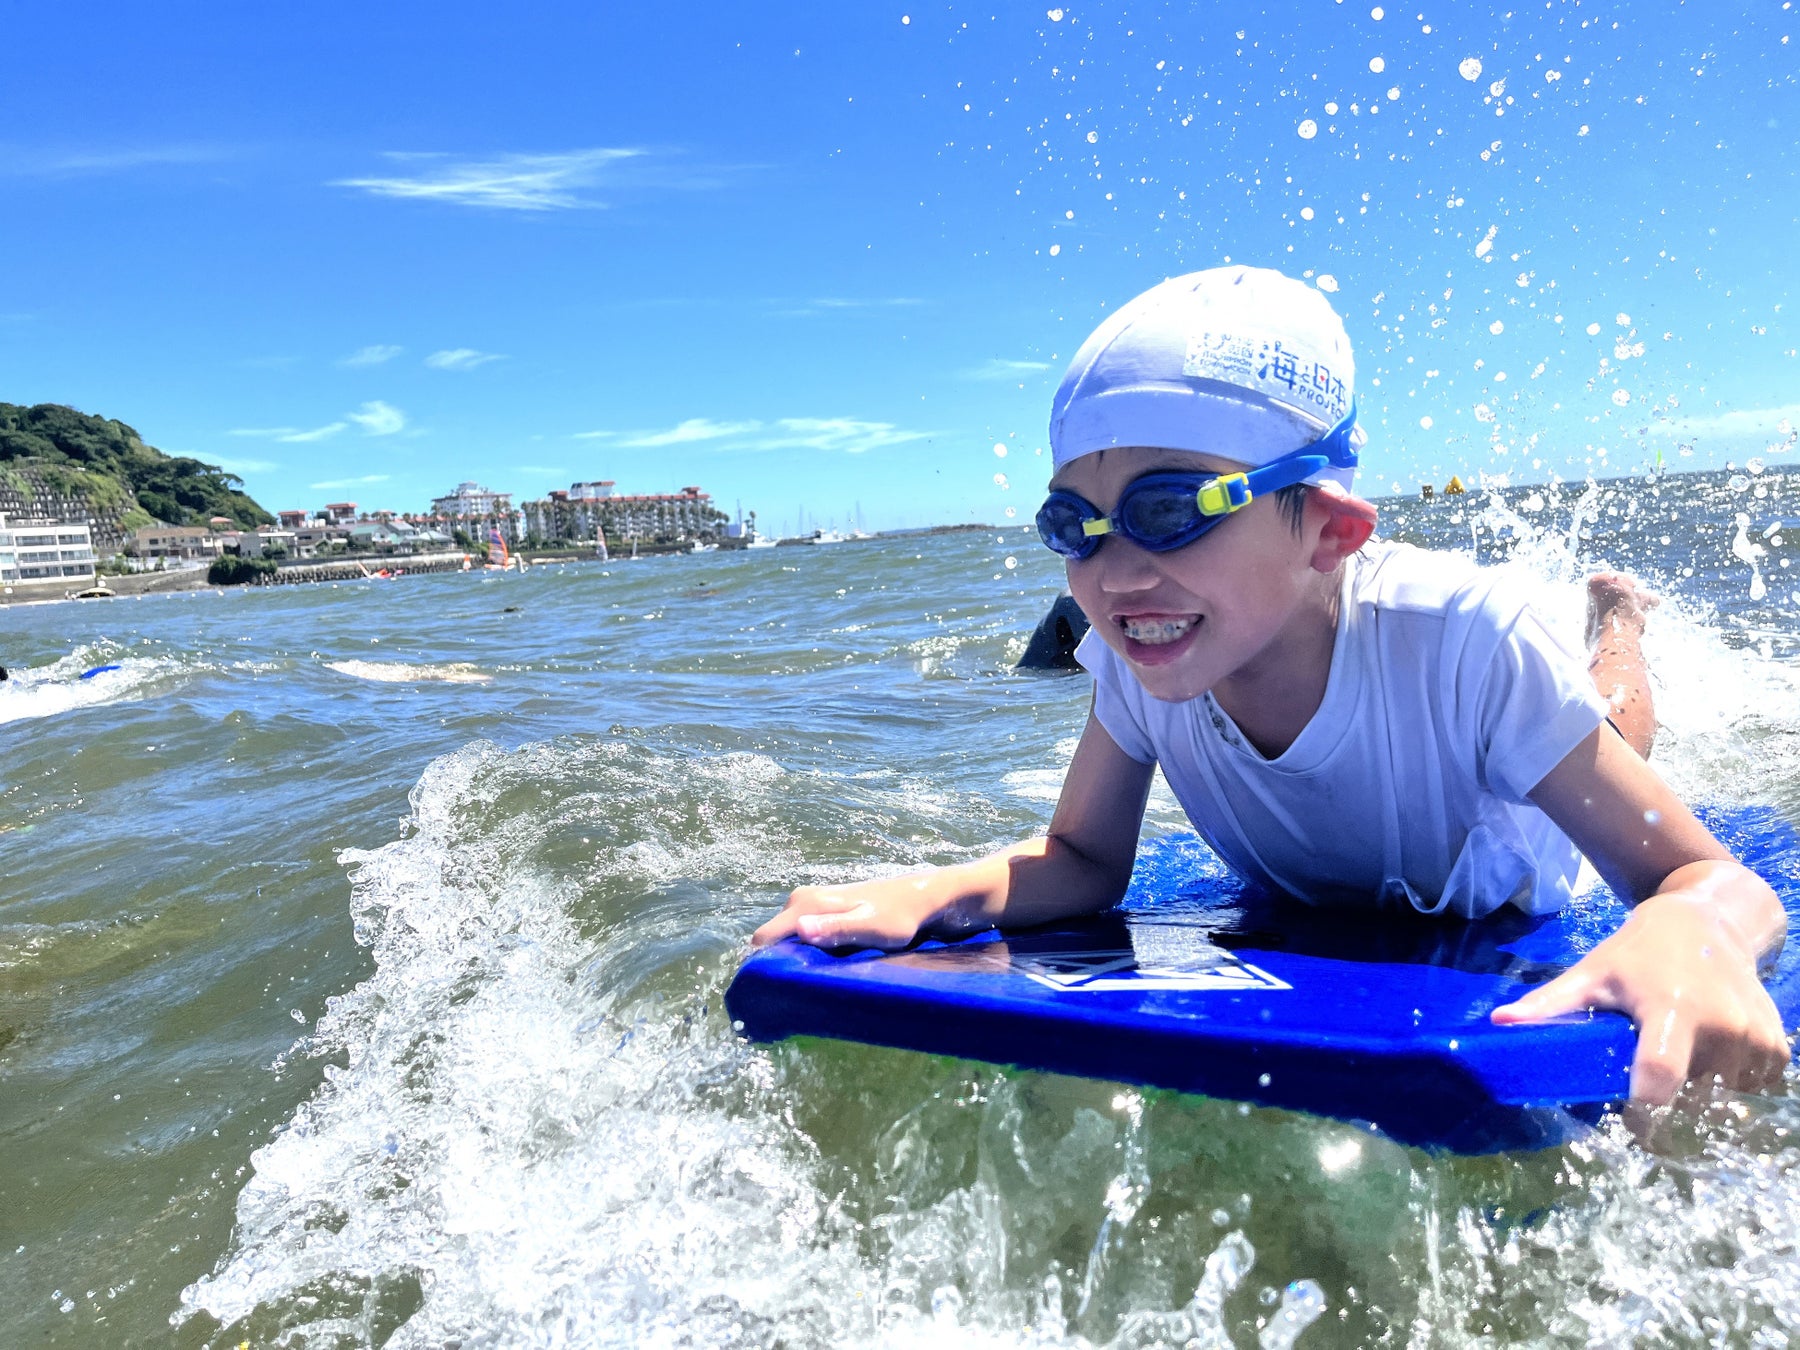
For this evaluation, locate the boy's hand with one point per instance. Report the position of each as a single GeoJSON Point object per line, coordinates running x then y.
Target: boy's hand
{"type": "Point", "coordinates": [1686, 976]}
{"type": "Point", "coordinates": [885, 914]}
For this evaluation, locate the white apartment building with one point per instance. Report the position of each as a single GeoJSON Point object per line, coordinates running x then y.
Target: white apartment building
{"type": "Point", "coordinates": [476, 510]}
{"type": "Point", "coordinates": [41, 553]}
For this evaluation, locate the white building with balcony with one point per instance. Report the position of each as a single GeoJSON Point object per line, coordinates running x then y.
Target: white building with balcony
{"type": "Point", "coordinates": [46, 554]}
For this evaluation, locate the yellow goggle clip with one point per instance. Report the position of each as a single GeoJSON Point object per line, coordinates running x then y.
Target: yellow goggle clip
{"type": "Point", "coordinates": [1225, 494]}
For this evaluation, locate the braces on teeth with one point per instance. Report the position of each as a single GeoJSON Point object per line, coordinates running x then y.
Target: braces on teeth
{"type": "Point", "coordinates": [1156, 630]}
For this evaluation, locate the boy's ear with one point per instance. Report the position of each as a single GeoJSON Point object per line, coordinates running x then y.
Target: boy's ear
{"type": "Point", "coordinates": [1348, 523]}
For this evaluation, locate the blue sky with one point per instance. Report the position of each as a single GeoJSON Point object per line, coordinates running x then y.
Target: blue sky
{"type": "Point", "coordinates": [822, 255]}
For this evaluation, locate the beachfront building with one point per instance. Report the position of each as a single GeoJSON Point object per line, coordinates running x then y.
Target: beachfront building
{"type": "Point", "coordinates": [389, 533]}
{"type": "Point", "coordinates": [578, 515]}
{"type": "Point", "coordinates": [475, 510]}
{"type": "Point", "coordinates": [340, 513]}
{"type": "Point", "coordinates": [267, 541]}
{"type": "Point", "coordinates": [185, 543]}
{"type": "Point", "coordinates": [44, 552]}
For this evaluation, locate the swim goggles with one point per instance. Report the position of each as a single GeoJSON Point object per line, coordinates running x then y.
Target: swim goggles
{"type": "Point", "coordinates": [1160, 512]}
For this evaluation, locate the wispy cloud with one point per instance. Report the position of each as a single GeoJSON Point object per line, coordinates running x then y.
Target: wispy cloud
{"type": "Point", "coordinates": [367, 478]}
{"type": "Point", "coordinates": [694, 429]}
{"type": "Point", "coordinates": [838, 302]}
{"type": "Point", "coordinates": [461, 358]}
{"type": "Point", "coordinates": [375, 418]}
{"type": "Point", "coordinates": [120, 159]}
{"type": "Point", "coordinates": [1000, 369]}
{"type": "Point", "coordinates": [1739, 424]}
{"type": "Point", "coordinates": [378, 419]}
{"type": "Point", "coordinates": [290, 435]}
{"type": "Point", "coordinates": [834, 304]}
{"type": "Point", "coordinates": [845, 435]}
{"type": "Point", "coordinates": [544, 182]}
{"type": "Point", "coordinates": [371, 356]}
{"type": "Point", "coordinates": [243, 466]}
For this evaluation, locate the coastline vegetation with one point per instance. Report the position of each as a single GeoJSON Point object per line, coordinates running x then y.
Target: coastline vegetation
{"type": "Point", "coordinates": [230, 570]}
{"type": "Point", "coordinates": [107, 463]}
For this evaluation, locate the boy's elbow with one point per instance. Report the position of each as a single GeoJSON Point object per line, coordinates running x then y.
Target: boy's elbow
{"type": "Point", "coordinates": [1105, 873]}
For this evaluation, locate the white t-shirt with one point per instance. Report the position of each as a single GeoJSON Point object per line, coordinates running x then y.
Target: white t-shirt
{"type": "Point", "coordinates": [1448, 700]}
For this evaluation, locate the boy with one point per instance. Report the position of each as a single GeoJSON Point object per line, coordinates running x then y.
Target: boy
{"type": "Point", "coordinates": [1351, 722]}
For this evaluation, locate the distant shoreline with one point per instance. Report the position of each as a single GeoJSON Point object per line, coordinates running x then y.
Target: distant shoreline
{"type": "Point", "coordinates": [194, 579]}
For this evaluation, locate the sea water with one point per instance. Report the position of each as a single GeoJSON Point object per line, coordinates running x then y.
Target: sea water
{"type": "Point", "coordinates": [361, 953]}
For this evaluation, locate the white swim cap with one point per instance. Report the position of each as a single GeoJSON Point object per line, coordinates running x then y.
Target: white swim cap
{"type": "Point", "coordinates": [1242, 363]}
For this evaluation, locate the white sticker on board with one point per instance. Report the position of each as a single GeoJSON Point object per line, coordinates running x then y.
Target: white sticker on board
{"type": "Point", "coordinates": [1116, 971]}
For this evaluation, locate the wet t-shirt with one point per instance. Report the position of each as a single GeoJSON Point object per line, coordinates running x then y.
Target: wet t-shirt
{"type": "Point", "coordinates": [1447, 702]}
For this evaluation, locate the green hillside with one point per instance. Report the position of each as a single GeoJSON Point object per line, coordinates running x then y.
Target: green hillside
{"type": "Point", "coordinates": [108, 463]}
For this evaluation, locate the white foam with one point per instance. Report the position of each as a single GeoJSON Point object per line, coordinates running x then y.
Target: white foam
{"type": "Point", "coordinates": [47, 691]}
{"type": "Point", "coordinates": [411, 672]}
{"type": "Point", "coordinates": [542, 1132]}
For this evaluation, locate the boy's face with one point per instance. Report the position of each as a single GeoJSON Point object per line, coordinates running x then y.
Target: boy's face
{"type": "Point", "coordinates": [1189, 619]}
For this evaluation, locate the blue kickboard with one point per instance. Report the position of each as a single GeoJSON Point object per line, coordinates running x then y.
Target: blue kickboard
{"type": "Point", "coordinates": [1200, 984]}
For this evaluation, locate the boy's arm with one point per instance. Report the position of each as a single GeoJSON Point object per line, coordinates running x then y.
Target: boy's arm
{"type": "Point", "coordinates": [1083, 864]}
{"type": "Point", "coordinates": [1683, 964]}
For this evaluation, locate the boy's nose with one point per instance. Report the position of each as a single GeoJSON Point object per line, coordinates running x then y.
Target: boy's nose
{"type": "Point", "coordinates": [1124, 567]}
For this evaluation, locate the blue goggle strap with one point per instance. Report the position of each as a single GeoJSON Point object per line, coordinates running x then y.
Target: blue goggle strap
{"type": "Point", "coordinates": [1234, 491]}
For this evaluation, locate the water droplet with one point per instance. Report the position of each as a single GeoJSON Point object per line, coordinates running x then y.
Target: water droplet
{"type": "Point", "coordinates": [1262, 1080]}
{"type": "Point", "coordinates": [1326, 282]}
{"type": "Point", "coordinates": [1055, 15]}
{"type": "Point", "coordinates": [1497, 88]}
{"type": "Point", "coordinates": [1000, 449]}
{"type": "Point", "coordinates": [1425, 423]}
{"type": "Point", "coordinates": [1302, 1304]}
{"type": "Point", "coordinates": [1593, 330]}
{"type": "Point", "coordinates": [1000, 480]}
{"type": "Point", "coordinates": [906, 18]}
{"type": "Point", "coordinates": [1307, 129]}
{"type": "Point", "coordinates": [1470, 69]}
{"type": "Point", "coordinates": [1093, 138]}
{"type": "Point", "coordinates": [1393, 93]}
{"type": "Point", "coordinates": [1621, 397]}
{"type": "Point", "coordinates": [946, 1303]}
{"type": "Point", "coordinates": [1652, 817]}
{"type": "Point", "coordinates": [1306, 213]}
{"type": "Point", "coordinates": [1331, 109]}
{"type": "Point", "coordinates": [1055, 249]}
{"type": "Point", "coordinates": [1377, 65]}
{"type": "Point", "coordinates": [1623, 320]}
{"type": "Point", "coordinates": [1011, 563]}
{"type": "Point", "coordinates": [1378, 14]}
{"type": "Point", "coordinates": [1221, 1219]}
{"type": "Point", "coordinates": [1497, 327]}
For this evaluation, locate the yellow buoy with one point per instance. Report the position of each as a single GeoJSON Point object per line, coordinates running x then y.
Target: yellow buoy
{"type": "Point", "coordinates": [1454, 486]}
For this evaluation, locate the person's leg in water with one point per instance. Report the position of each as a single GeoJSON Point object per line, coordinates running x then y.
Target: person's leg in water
{"type": "Point", "coordinates": [1618, 608]}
